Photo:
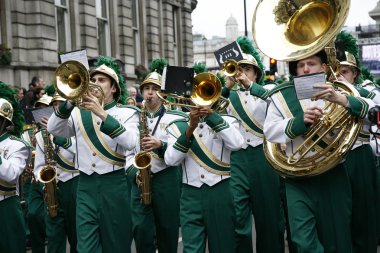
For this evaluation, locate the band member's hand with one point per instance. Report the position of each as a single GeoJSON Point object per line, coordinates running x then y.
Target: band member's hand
{"type": "Point", "coordinates": [243, 80]}
{"type": "Point", "coordinates": [330, 94]}
{"type": "Point", "coordinates": [92, 103]}
{"type": "Point", "coordinates": [195, 115]}
{"type": "Point", "coordinates": [43, 122]}
{"type": "Point", "coordinates": [230, 82]}
{"type": "Point", "coordinates": [150, 143]}
{"type": "Point", "coordinates": [312, 115]}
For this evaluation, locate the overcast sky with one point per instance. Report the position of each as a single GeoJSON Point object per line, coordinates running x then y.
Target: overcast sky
{"type": "Point", "coordinates": [210, 16]}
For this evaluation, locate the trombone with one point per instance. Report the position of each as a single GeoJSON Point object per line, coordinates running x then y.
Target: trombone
{"type": "Point", "coordinates": [207, 91]}
{"type": "Point", "coordinates": [73, 83]}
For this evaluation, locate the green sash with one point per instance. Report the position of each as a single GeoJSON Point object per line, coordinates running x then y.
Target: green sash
{"type": "Point", "coordinates": [240, 110]}
{"type": "Point", "coordinates": [64, 164]}
{"type": "Point", "coordinates": [201, 155]}
{"type": "Point", "coordinates": [94, 139]}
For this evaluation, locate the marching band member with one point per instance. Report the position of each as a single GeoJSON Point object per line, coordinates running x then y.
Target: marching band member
{"type": "Point", "coordinates": [161, 217]}
{"type": "Point", "coordinates": [62, 226]}
{"type": "Point", "coordinates": [319, 207]}
{"type": "Point", "coordinates": [36, 204]}
{"type": "Point", "coordinates": [103, 135]}
{"type": "Point", "coordinates": [255, 185]}
{"type": "Point", "coordinates": [14, 156]}
{"type": "Point", "coordinates": [360, 162]}
{"type": "Point", "coordinates": [202, 145]}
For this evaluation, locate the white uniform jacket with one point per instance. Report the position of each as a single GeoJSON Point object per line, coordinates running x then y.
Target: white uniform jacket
{"type": "Point", "coordinates": [284, 122]}
{"type": "Point", "coordinates": [14, 156]}
{"type": "Point", "coordinates": [205, 157]}
{"type": "Point", "coordinates": [250, 107]}
{"type": "Point", "coordinates": [100, 146]}
{"type": "Point", "coordinates": [64, 155]}
{"type": "Point", "coordinates": [158, 162]}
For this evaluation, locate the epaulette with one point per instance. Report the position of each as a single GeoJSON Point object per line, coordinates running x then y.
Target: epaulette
{"type": "Point", "coordinates": [369, 83]}
{"type": "Point", "coordinates": [184, 120]}
{"type": "Point", "coordinates": [128, 106]}
{"type": "Point", "coordinates": [178, 113]}
{"type": "Point", "coordinates": [12, 137]}
{"type": "Point", "coordinates": [280, 87]}
{"type": "Point", "coordinates": [227, 115]}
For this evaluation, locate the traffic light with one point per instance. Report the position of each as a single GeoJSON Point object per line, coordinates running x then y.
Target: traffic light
{"type": "Point", "coordinates": [272, 66]}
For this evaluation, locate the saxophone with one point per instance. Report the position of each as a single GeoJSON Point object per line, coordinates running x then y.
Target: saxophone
{"type": "Point", "coordinates": [142, 161]}
{"type": "Point", "coordinates": [48, 175]}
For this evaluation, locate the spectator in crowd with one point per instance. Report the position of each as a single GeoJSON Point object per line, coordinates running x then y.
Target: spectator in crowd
{"type": "Point", "coordinates": [29, 99]}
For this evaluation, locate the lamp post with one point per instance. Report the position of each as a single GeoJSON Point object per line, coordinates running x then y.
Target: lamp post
{"type": "Point", "coordinates": [245, 19]}
{"type": "Point", "coordinates": [204, 47]}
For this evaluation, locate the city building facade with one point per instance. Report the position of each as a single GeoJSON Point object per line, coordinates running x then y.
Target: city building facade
{"type": "Point", "coordinates": [35, 32]}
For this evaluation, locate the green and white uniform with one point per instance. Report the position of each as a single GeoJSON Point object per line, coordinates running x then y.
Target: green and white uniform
{"type": "Point", "coordinates": [206, 202]}
{"type": "Point", "coordinates": [161, 218]}
{"type": "Point", "coordinates": [255, 185]}
{"type": "Point", "coordinates": [14, 156]}
{"type": "Point", "coordinates": [319, 207]}
{"type": "Point", "coordinates": [61, 227]}
{"type": "Point", "coordinates": [103, 207]}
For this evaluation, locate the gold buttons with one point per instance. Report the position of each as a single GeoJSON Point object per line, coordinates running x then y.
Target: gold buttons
{"type": "Point", "coordinates": [200, 135]}
{"type": "Point", "coordinates": [94, 165]}
{"type": "Point", "coordinates": [98, 123]}
{"type": "Point", "coordinates": [248, 140]}
{"type": "Point", "coordinates": [93, 154]}
{"type": "Point", "coordinates": [202, 176]}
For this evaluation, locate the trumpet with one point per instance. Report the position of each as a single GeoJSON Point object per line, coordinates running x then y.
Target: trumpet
{"type": "Point", "coordinates": [73, 83]}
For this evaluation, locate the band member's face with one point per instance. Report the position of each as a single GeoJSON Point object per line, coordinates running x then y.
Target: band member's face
{"type": "Point", "coordinates": [311, 65]}
{"type": "Point", "coordinates": [249, 71]}
{"type": "Point", "coordinates": [149, 93]}
{"type": "Point", "coordinates": [347, 74]}
{"type": "Point", "coordinates": [56, 104]}
{"type": "Point", "coordinates": [105, 83]}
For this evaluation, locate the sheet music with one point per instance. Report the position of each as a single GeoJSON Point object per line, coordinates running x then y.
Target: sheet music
{"type": "Point", "coordinates": [38, 114]}
{"type": "Point", "coordinates": [304, 85]}
{"type": "Point", "coordinates": [80, 55]}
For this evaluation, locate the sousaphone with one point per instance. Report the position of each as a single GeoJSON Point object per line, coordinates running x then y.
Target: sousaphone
{"type": "Point", "coordinates": [291, 30]}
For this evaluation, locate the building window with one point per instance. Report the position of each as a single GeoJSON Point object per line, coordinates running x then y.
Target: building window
{"type": "Point", "coordinates": [136, 32]}
{"type": "Point", "coordinates": [103, 27]}
{"type": "Point", "coordinates": [63, 25]}
{"type": "Point", "coordinates": [175, 35]}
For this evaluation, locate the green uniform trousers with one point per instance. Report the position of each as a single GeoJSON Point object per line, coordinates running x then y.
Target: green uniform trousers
{"type": "Point", "coordinates": [63, 226]}
{"type": "Point", "coordinates": [207, 215]}
{"type": "Point", "coordinates": [103, 213]}
{"type": "Point", "coordinates": [255, 188]}
{"type": "Point", "coordinates": [319, 210]}
{"type": "Point", "coordinates": [36, 218]}
{"type": "Point", "coordinates": [12, 228]}
{"type": "Point", "coordinates": [161, 218]}
{"type": "Point", "coordinates": [361, 168]}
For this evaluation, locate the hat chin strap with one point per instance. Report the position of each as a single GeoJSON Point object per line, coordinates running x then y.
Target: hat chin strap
{"type": "Point", "coordinates": [3, 125]}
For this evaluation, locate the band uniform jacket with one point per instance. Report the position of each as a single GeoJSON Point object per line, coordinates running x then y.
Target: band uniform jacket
{"type": "Point", "coordinates": [250, 107]}
{"type": "Point", "coordinates": [14, 156]}
{"type": "Point", "coordinates": [205, 157]}
{"type": "Point", "coordinates": [64, 155]}
{"type": "Point", "coordinates": [158, 162]}
{"type": "Point", "coordinates": [284, 123]}
{"type": "Point", "coordinates": [100, 146]}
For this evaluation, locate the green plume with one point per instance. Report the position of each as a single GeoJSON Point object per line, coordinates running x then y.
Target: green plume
{"type": "Point", "coordinates": [345, 42]}
{"type": "Point", "coordinates": [109, 62]}
{"type": "Point", "coordinates": [247, 47]}
{"type": "Point", "coordinates": [200, 68]}
{"type": "Point", "coordinates": [18, 120]}
{"type": "Point", "coordinates": [222, 79]}
{"type": "Point", "coordinates": [50, 90]}
{"type": "Point", "coordinates": [158, 65]}
{"type": "Point", "coordinates": [365, 74]}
